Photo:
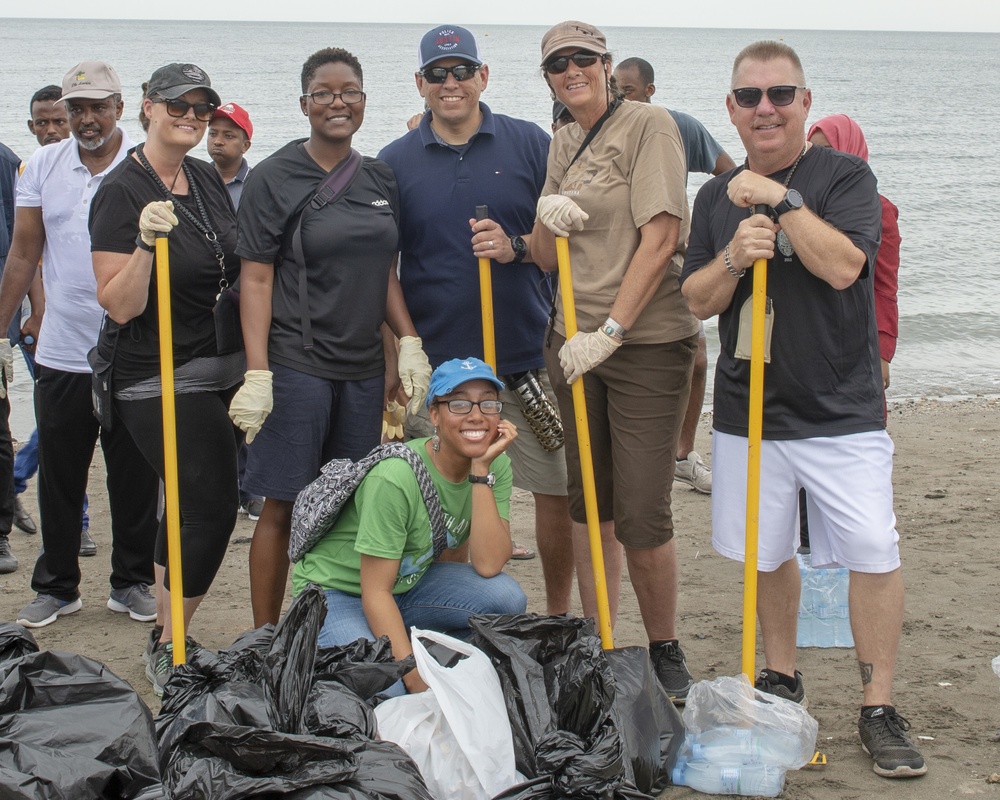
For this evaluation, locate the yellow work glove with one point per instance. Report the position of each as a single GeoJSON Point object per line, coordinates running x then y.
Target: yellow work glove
{"type": "Point", "coordinates": [414, 371]}
{"type": "Point", "coordinates": [584, 352]}
{"type": "Point", "coordinates": [252, 403]}
{"type": "Point", "coordinates": [560, 214]}
{"type": "Point", "coordinates": [392, 421]}
{"type": "Point", "coordinates": [156, 217]}
{"type": "Point", "coordinates": [7, 365]}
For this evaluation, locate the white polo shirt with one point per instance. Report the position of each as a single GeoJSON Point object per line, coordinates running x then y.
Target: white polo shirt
{"type": "Point", "coordinates": [58, 182]}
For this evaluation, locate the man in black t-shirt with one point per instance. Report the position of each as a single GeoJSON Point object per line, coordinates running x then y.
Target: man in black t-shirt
{"type": "Point", "coordinates": [815, 215]}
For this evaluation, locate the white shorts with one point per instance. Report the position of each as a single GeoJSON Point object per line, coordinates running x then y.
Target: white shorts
{"type": "Point", "coordinates": [848, 483]}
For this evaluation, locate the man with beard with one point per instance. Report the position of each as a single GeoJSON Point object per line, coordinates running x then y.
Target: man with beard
{"type": "Point", "coordinates": [53, 206]}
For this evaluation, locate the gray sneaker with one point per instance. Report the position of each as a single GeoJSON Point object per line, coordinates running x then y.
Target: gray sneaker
{"type": "Point", "coordinates": [8, 563]}
{"type": "Point", "coordinates": [135, 600]}
{"type": "Point", "coordinates": [44, 610]}
{"type": "Point", "coordinates": [88, 547]}
{"type": "Point", "coordinates": [151, 643]}
{"type": "Point", "coordinates": [769, 683]}
{"type": "Point", "coordinates": [161, 664]}
{"type": "Point", "coordinates": [883, 737]}
{"type": "Point", "coordinates": [694, 472]}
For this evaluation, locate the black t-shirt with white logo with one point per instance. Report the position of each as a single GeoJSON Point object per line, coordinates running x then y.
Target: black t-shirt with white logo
{"type": "Point", "coordinates": [824, 378]}
{"type": "Point", "coordinates": [348, 246]}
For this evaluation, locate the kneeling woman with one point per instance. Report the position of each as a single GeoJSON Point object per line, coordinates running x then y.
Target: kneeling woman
{"type": "Point", "coordinates": [377, 565]}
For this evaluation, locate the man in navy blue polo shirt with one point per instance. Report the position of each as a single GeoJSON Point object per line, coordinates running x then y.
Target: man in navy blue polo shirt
{"type": "Point", "coordinates": [461, 156]}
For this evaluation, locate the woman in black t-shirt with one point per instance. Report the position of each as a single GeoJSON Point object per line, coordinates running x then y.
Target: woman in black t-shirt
{"type": "Point", "coordinates": [159, 189]}
{"type": "Point", "coordinates": [319, 293]}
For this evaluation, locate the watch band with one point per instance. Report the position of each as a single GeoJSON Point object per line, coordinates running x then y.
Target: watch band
{"type": "Point", "coordinates": [142, 245]}
{"type": "Point", "coordinates": [489, 479]}
{"type": "Point", "coordinates": [790, 202]}
{"type": "Point", "coordinates": [614, 330]}
{"type": "Point", "coordinates": [520, 248]}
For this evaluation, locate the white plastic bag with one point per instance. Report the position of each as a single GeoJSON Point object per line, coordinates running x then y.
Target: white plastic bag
{"type": "Point", "coordinates": [458, 732]}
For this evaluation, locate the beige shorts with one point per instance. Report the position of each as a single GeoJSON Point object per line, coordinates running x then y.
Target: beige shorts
{"type": "Point", "coordinates": [535, 468]}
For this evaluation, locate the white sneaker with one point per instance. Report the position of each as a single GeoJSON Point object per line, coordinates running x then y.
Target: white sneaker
{"type": "Point", "coordinates": [694, 472]}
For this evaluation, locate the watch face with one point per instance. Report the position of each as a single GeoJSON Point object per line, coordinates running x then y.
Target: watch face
{"type": "Point", "coordinates": [793, 198]}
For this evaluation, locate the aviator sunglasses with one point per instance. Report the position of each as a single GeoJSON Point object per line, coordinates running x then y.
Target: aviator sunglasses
{"type": "Point", "coordinates": [462, 72]}
{"type": "Point", "coordinates": [180, 108]}
{"type": "Point", "coordinates": [778, 95]}
{"type": "Point", "coordinates": [557, 66]}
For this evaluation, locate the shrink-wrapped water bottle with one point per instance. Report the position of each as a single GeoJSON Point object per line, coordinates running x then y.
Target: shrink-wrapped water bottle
{"type": "Point", "coordinates": [824, 614]}
{"type": "Point", "coordinates": [747, 779]}
{"type": "Point", "coordinates": [729, 745]}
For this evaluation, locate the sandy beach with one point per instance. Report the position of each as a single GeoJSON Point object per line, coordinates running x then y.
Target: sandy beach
{"type": "Point", "coordinates": [947, 502]}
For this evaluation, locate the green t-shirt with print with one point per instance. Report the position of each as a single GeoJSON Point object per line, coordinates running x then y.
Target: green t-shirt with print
{"type": "Point", "coordinates": [387, 518]}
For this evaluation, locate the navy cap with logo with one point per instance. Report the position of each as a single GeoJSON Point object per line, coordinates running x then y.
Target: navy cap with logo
{"type": "Point", "coordinates": [448, 41]}
{"type": "Point", "coordinates": [174, 80]}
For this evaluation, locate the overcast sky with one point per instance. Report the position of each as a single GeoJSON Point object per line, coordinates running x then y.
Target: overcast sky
{"type": "Point", "coordinates": [901, 15]}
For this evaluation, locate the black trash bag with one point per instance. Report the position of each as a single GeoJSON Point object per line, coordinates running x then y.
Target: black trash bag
{"type": "Point", "coordinates": [650, 725]}
{"type": "Point", "coordinates": [334, 710]}
{"type": "Point", "coordinates": [365, 667]}
{"type": "Point", "coordinates": [15, 641]}
{"type": "Point", "coordinates": [70, 728]}
{"type": "Point", "coordinates": [288, 665]}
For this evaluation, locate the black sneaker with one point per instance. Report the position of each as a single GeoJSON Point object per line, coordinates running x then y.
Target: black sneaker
{"type": "Point", "coordinates": [161, 664]}
{"type": "Point", "coordinates": [22, 519]}
{"type": "Point", "coordinates": [8, 563]}
{"type": "Point", "coordinates": [768, 683]}
{"type": "Point", "coordinates": [883, 737]}
{"type": "Point", "coordinates": [88, 547]}
{"type": "Point", "coordinates": [671, 669]}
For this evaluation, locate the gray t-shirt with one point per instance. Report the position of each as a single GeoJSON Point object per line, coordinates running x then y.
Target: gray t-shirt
{"type": "Point", "coordinates": [700, 147]}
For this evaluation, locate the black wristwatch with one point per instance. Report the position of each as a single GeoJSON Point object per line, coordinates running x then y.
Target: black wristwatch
{"type": "Point", "coordinates": [142, 245]}
{"type": "Point", "coordinates": [520, 248]}
{"type": "Point", "coordinates": [790, 202]}
{"type": "Point", "coordinates": [489, 479]}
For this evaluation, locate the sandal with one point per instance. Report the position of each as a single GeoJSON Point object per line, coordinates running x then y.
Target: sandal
{"type": "Point", "coordinates": [522, 553]}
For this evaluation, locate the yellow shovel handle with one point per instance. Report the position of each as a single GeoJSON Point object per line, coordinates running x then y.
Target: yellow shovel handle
{"type": "Point", "coordinates": [754, 435]}
{"type": "Point", "coordinates": [171, 493]}
{"type": "Point", "coordinates": [586, 456]}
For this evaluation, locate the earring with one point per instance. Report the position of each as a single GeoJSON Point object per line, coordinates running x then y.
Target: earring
{"type": "Point", "coordinates": [435, 441]}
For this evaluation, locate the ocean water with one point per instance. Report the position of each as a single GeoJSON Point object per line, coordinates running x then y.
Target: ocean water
{"type": "Point", "coordinates": [926, 102]}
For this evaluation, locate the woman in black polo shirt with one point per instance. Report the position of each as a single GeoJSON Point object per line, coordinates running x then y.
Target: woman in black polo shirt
{"type": "Point", "coordinates": [318, 285]}
{"type": "Point", "coordinates": [159, 188]}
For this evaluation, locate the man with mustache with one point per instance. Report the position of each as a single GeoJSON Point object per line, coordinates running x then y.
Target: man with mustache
{"type": "Point", "coordinates": [53, 207]}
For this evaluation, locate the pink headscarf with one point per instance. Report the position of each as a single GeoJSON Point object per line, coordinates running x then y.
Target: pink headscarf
{"type": "Point", "coordinates": [844, 134]}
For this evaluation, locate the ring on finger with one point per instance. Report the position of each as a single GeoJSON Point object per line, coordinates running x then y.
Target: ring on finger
{"type": "Point", "coordinates": [491, 244]}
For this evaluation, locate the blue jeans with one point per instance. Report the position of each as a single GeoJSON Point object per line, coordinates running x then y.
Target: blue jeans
{"type": "Point", "coordinates": [443, 600]}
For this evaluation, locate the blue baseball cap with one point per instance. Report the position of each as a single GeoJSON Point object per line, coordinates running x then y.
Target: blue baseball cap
{"type": "Point", "coordinates": [452, 374]}
{"type": "Point", "coordinates": [448, 41]}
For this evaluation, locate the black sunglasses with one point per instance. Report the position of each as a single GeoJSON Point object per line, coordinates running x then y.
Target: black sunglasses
{"type": "Point", "coordinates": [557, 66]}
{"type": "Point", "coordinates": [180, 108]}
{"type": "Point", "coordinates": [462, 72]}
{"type": "Point", "coordinates": [778, 95]}
{"type": "Point", "coordinates": [326, 98]}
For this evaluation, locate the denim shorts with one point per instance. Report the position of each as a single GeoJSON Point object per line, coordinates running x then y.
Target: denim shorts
{"type": "Point", "coordinates": [314, 420]}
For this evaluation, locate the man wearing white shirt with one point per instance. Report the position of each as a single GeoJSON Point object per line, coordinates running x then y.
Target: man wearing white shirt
{"type": "Point", "coordinates": [53, 207]}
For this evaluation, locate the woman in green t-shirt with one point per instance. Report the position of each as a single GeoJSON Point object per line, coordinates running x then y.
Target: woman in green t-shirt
{"type": "Point", "coordinates": [377, 564]}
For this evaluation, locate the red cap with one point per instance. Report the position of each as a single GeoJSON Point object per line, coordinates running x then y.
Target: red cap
{"type": "Point", "coordinates": [239, 117]}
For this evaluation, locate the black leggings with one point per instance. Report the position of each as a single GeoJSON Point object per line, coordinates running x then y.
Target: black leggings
{"type": "Point", "coordinates": [207, 482]}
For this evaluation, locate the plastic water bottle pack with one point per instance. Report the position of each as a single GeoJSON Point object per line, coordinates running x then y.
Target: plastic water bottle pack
{"type": "Point", "coordinates": [824, 615]}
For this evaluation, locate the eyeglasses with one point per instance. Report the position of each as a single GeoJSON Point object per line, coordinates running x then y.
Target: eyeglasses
{"type": "Point", "coordinates": [778, 95]}
{"type": "Point", "coordinates": [490, 407]}
{"type": "Point", "coordinates": [462, 72]}
{"type": "Point", "coordinates": [557, 66]}
{"type": "Point", "coordinates": [180, 108]}
{"type": "Point", "coordinates": [325, 98]}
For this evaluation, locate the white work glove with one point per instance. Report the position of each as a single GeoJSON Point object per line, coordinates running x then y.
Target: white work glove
{"type": "Point", "coordinates": [560, 214]}
{"type": "Point", "coordinates": [392, 421]}
{"type": "Point", "coordinates": [414, 371]}
{"type": "Point", "coordinates": [252, 403]}
{"type": "Point", "coordinates": [584, 352]}
{"type": "Point", "coordinates": [7, 365]}
{"type": "Point", "coordinates": [156, 217]}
